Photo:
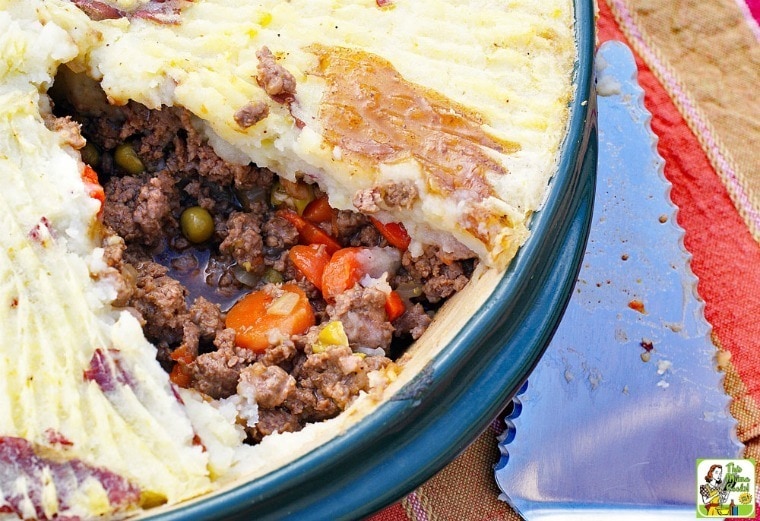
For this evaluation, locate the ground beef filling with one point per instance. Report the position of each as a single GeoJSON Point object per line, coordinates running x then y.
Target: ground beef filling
{"type": "Point", "coordinates": [181, 291]}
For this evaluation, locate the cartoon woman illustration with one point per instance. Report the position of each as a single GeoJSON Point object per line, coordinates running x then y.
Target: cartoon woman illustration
{"type": "Point", "coordinates": [713, 493]}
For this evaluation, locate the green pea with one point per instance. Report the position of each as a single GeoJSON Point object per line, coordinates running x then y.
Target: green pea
{"type": "Point", "coordinates": [197, 224]}
{"type": "Point", "coordinates": [273, 276]}
{"type": "Point", "coordinates": [90, 155]}
{"type": "Point", "coordinates": [126, 158]}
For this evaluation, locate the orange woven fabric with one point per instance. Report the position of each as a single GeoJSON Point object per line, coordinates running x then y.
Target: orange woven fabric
{"type": "Point", "coordinates": [701, 87]}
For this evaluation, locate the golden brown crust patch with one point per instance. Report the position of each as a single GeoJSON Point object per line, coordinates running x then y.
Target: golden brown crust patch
{"type": "Point", "coordinates": [376, 116]}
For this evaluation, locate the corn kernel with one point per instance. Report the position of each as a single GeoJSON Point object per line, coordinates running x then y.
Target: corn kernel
{"type": "Point", "coordinates": [333, 334]}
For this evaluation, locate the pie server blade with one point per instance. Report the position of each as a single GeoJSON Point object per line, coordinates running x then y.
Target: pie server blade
{"type": "Point", "coordinates": [627, 396]}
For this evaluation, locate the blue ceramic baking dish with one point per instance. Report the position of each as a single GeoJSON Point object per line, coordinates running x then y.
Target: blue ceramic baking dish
{"type": "Point", "coordinates": [455, 394]}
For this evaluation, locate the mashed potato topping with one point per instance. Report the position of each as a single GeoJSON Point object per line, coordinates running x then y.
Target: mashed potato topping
{"type": "Point", "coordinates": [79, 381]}
{"type": "Point", "coordinates": [444, 115]}
{"type": "Point", "coordinates": [494, 76]}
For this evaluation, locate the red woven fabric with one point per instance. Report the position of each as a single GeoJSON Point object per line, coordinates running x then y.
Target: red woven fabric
{"type": "Point", "coordinates": [754, 8]}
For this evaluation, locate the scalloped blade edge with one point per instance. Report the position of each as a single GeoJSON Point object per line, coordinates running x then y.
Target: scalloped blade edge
{"type": "Point", "coordinates": [627, 396]}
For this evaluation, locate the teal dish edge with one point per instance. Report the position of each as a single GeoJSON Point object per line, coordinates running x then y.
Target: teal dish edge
{"type": "Point", "coordinates": [443, 409]}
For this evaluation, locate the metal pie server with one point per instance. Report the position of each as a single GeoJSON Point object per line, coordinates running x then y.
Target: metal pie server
{"type": "Point", "coordinates": [627, 396]}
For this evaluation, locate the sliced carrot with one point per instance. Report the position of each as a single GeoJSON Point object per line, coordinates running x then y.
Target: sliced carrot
{"type": "Point", "coordinates": [394, 233]}
{"type": "Point", "coordinates": [91, 183]}
{"type": "Point", "coordinates": [309, 232]}
{"type": "Point", "coordinates": [342, 272]}
{"type": "Point", "coordinates": [319, 210]}
{"type": "Point", "coordinates": [180, 374]}
{"type": "Point", "coordinates": [182, 353]}
{"type": "Point", "coordinates": [394, 306]}
{"type": "Point", "coordinates": [314, 235]}
{"type": "Point", "coordinates": [259, 314]}
{"type": "Point", "coordinates": [310, 259]}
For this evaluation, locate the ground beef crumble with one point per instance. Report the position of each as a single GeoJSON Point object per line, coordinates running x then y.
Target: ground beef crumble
{"type": "Point", "coordinates": [441, 276]}
{"type": "Point", "coordinates": [243, 242]}
{"type": "Point", "coordinates": [181, 291]}
{"type": "Point", "coordinates": [251, 113]}
{"type": "Point", "coordinates": [217, 373]}
{"type": "Point", "coordinates": [276, 81]}
{"type": "Point", "coordinates": [362, 312]}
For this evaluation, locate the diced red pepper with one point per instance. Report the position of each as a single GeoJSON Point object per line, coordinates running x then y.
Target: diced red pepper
{"type": "Point", "coordinates": [310, 259]}
{"type": "Point", "coordinates": [309, 232]}
{"type": "Point", "coordinates": [93, 186]}
{"type": "Point", "coordinates": [394, 306]}
{"type": "Point", "coordinates": [319, 210]}
{"type": "Point", "coordinates": [394, 233]}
